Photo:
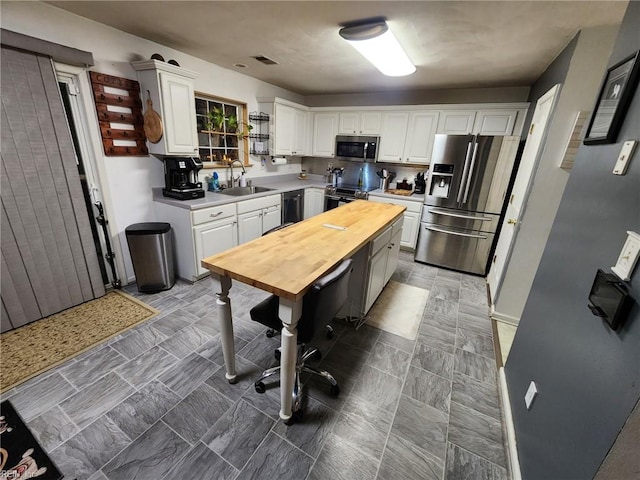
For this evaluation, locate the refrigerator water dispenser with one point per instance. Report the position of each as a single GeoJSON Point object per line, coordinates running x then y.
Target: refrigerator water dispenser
{"type": "Point", "coordinates": [440, 180]}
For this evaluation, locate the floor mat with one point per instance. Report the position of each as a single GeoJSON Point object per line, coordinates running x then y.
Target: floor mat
{"type": "Point", "coordinates": [21, 456]}
{"type": "Point", "coordinates": [399, 309]}
{"type": "Point", "coordinates": [35, 348]}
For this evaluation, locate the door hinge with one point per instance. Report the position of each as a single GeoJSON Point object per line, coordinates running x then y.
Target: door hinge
{"type": "Point", "coordinates": [494, 258]}
{"type": "Point", "coordinates": [511, 199]}
{"type": "Point", "coordinates": [531, 129]}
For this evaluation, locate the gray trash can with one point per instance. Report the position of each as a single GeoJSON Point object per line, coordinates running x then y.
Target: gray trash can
{"type": "Point", "coordinates": [151, 248]}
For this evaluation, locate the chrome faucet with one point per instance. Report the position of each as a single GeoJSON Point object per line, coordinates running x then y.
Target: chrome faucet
{"type": "Point", "coordinates": [232, 181]}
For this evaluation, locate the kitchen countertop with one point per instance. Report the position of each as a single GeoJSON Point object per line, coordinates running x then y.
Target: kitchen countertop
{"type": "Point", "coordinates": [303, 252]}
{"type": "Point", "coordinates": [279, 184]}
{"type": "Point", "coordinates": [414, 197]}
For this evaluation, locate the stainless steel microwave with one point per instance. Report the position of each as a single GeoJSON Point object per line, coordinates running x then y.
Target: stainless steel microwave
{"type": "Point", "coordinates": [363, 149]}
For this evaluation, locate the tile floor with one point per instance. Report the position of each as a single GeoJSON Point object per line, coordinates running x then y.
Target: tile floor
{"type": "Point", "coordinates": [153, 403]}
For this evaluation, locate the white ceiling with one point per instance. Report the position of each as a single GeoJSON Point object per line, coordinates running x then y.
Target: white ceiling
{"type": "Point", "coordinates": [454, 44]}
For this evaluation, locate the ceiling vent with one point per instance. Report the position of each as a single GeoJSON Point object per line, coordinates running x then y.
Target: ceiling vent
{"type": "Point", "coordinates": [265, 60]}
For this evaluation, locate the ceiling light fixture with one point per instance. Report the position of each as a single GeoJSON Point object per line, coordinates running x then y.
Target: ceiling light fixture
{"type": "Point", "coordinates": [376, 43]}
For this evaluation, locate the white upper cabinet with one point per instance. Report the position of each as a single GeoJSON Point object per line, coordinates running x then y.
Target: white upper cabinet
{"type": "Point", "coordinates": [392, 136]}
{"type": "Point", "coordinates": [370, 123]}
{"type": "Point", "coordinates": [360, 123]}
{"type": "Point", "coordinates": [407, 136]}
{"type": "Point", "coordinates": [171, 91]}
{"type": "Point", "coordinates": [288, 126]}
{"type": "Point", "coordinates": [325, 129]}
{"type": "Point", "coordinates": [283, 131]}
{"type": "Point", "coordinates": [456, 122]}
{"type": "Point", "coordinates": [301, 132]}
{"type": "Point", "coordinates": [495, 122]}
{"type": "Point", "coordinates": [349, 123]}
{"type": "Point", "coordinates": [420, 136]}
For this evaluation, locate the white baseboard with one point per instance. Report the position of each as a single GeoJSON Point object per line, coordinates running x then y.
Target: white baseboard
{"type": "Point", "coordinates": [503, 317]}
{"type": "Point", "coordinates": [512, 451]}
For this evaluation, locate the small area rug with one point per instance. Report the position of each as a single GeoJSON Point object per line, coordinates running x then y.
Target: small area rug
{"type": "Point", "coordinates": [35, 348]}
{"type": "Point", "coordinates": [399, 309]}
{"type": "Point", "coordinates": [20, 455]}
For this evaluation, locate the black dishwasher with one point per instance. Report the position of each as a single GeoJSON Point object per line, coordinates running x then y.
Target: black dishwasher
{"type": "Point", "coordinates": [293, 206]}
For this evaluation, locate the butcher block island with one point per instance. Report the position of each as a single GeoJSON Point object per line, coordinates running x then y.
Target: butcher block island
{"type": "Point", "coordinates": [288, 261]}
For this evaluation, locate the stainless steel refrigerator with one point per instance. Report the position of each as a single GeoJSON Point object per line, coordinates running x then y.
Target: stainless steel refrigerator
{"type": "Point", "coordinates": [464, 196]}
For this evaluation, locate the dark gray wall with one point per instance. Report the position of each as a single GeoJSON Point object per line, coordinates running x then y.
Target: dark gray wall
{"type": "Point", "coordinates": [588, 376]}
{"type": "Point", "coordinates": [554, 74]}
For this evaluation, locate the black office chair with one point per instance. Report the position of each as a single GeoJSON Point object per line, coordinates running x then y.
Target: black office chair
{"type": "Point", "coordinates": [319, 306]}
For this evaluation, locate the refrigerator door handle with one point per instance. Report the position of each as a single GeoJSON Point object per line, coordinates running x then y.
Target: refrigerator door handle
{"type": "Point", "coordinates": [465, 171]}
{"type": "Point", "coordinates": [459, 234]}
{"type": "Point", "coordinates": [473, 163]}
{"type": "Point", "coordinates": [438, 211]}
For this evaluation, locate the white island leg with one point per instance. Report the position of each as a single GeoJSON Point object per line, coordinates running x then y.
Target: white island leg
{"type": "Point", "coordinates": [221, 286]}
{"type": "Point", "coordinates": [289, 312]}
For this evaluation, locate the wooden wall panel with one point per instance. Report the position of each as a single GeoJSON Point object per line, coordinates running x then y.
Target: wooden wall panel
{"type": "Point", "coordinates": [134, 119]}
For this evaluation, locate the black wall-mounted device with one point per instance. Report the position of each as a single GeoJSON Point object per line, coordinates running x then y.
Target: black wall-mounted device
{"type": "Point", "coordinates": [609, 299]}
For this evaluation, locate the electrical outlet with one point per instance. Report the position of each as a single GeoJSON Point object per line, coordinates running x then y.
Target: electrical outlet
{"type": "Point", "coordinates": [625, 155]}
{"type": "Point", "coordinates": [532, 391]}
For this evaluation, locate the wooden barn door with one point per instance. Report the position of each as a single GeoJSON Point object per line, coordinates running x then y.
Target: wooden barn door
{"type": "Point", "coordinates": [49, 261]}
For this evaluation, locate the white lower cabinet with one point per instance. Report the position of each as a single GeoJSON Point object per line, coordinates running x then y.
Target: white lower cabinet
{"type": "Point", "coordinates": [383, 259]}
{"type": "Point", "coordinates": [392, 257]}
{"type": "Point", "coordinates": [377, 270]}
{"type": "Point", "coordinates": [373, 266]}
{"type": "Point", "coordinates": [313, 202]}
{"type": "Point", "coordinates": [214, 237]}
{"type": "Point", "coordinates": [199, 234]}
{"type": "Point", "coordinates": [258, 215]}
{"type": "Point", "coordinates": [411, 218]}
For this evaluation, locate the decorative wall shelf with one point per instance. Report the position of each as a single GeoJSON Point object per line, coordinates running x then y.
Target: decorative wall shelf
{"type": "Point", "coordinates": [258, 117]}
{"type": "Point", "coordinates": [131, 102]}
{"type": "Point", "coordinates": [258, 140]}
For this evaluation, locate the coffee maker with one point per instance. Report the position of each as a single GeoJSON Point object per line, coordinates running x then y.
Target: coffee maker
{"type": "Point", "coordinates": [181, 178]}
{"type": "Point", "coordinates": [420, 183]}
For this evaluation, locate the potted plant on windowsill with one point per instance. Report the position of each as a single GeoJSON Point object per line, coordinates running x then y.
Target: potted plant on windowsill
{"type": "Point", "coordinates": [215, 120]}
{"type": "Point", "coordinates": [232, 127]}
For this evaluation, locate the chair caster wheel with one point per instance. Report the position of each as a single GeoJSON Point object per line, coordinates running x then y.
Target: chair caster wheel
{"type": "Point", "coordinates": [271, 333]}
{"type": "Point", "coordinates": [330, 332]}
{"type": "Point", "coordinates": [295, 417]}
{"type": "Point", "coordinates": [335, 390]}
{"type": "Point", "coordinates": [260, 388]}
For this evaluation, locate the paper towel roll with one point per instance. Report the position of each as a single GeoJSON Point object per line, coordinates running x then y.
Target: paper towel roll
{"type": "Point", "coordinates": [278, 161]}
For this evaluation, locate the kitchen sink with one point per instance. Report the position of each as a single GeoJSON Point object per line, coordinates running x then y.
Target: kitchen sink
{"type": "Point", "coordinates": [240, 191]}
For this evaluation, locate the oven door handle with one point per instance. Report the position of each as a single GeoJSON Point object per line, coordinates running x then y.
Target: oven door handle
{"type": "Point", "coordinates": [459, 234]}
{"type": "Point", "coordinates": [446, 213]}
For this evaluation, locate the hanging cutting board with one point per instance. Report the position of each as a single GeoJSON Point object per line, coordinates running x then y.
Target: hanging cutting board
{"type": "Point", "coordinates": [152, 123]}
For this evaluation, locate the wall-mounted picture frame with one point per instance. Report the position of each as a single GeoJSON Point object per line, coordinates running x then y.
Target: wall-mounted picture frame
{"type": "Point", "coordinates": [613, 101]}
